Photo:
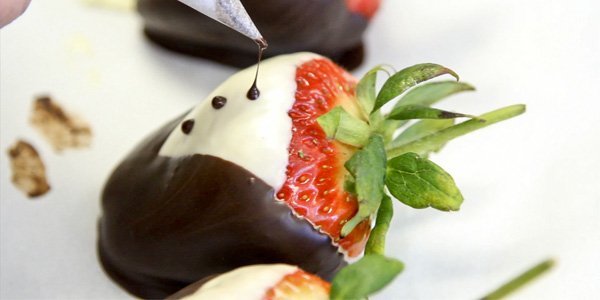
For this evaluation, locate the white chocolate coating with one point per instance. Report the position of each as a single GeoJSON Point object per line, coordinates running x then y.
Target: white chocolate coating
{"type": "Point", "coordinates": [254, 134]}
{"type": "Point", "coordinates": [251, 282]}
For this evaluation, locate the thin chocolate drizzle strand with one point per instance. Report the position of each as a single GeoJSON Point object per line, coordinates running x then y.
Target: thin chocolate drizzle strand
{"type": "Point", "coordinates": [262, 44]}
{"type": "Point", "coordinates": [253, 92]}
{"type": "Point", "coordinates": [218, 102]}
{"type": "Point", "coordinates": [187, 126]}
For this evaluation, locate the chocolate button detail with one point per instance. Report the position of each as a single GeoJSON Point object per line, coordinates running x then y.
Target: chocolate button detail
{"type": "Point", "coordinates": [187, 126]}
{"type": "Point", "coordinates": [218, 102]}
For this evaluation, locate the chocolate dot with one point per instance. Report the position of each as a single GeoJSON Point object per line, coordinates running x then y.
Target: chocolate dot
{"type": "Point", "coordinates": [218, 102]}
{"type": "Point", "coordinates": [187, 126]}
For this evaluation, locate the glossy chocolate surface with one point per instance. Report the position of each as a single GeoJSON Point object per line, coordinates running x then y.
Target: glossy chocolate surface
{"type": "Point", "coordinates": [321, 26]}
{"type": "Point", "coordinates": [169, 222]}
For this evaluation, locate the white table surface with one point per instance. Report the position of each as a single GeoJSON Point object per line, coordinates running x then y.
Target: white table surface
{"type": "Point", "coordinates": [531, 184]}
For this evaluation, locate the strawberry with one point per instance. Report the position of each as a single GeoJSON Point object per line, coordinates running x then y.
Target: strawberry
{"type": "Point", "coordinates": [294, 177]}
{"type": "Point", "coordinates": [315, 173]}
{"type": "Point", "coordinates": [365, 8]}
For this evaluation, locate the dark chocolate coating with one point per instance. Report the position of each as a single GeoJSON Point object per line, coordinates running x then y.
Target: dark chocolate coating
{"type": "Point", "coordinates": [191, 289]}
{"type": "Point", "coordinates": [321, 26]}
{"type": "Point", "coordinates": [169, 222]}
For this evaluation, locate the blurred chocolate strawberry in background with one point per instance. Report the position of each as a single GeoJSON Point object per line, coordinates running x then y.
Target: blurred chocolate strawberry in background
{"type": "Point", "coordinates": [333, 28]}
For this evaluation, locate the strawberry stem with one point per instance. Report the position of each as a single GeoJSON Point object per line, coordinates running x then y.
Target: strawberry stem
{"type": "Point", "coordinates": [435, 140]}
{"type": "Point", "coordinates": [520, 281]}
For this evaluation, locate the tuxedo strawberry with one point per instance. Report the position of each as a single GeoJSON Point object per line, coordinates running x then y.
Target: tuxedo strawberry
{"type": "Point", "coordinates": [198, 197]}
{"type": "Point", "coordinates": [296, 177]}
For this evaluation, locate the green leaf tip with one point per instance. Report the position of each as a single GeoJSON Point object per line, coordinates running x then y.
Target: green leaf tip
{"type": "Point", "coordinates": [366, 276]}
{"type": "Point", "coordinates": [367, 168]}
{"type": "Point", "coordinates": [420, 183]}
{"type": "Point", "coordinates": [422, 129]}
{"type": "Point", "coordinates": [432, 92]}
{"type": "Point", "coordinates": [416, 111]}
{"type": "Point", "coordinates": [376, 242]}
{"type": "Point", "coordinates": [407, 78]}
{"type": "Point", "coordinates": [521, 280]}
{"type": "Point", "coordinates": [437, 139]}
{"type": "Point", "coordinates": [366, 90]}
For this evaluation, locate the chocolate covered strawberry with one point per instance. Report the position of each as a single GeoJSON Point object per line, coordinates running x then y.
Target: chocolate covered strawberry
{"type": "Point", "coordinates": [259, 282]}
{"type": "Point", "coordinates": [286, 282]}
{"type": "Point", "coordinates": [296, 176]}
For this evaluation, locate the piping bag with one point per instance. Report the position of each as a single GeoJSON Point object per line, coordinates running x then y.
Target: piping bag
{"type": "Point", "coordinates": [230, 13]}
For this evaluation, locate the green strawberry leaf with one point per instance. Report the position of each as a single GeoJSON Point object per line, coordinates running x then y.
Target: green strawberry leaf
{"type": "Point", "coordinates": [376, 242]}
{"type": "Point", "coordinates": [365, 89]}
{"type": "Point", "coordinates": [421, 129]}
{"type": "Point", "coordinates": [387, 130]}
{"type": "Point", "coordinates": [366, 93]}
{"type": "Point", "coordinates": [419, 183]}
{"type": "Point", "coordinates": [432, 92]}
{"type": "Point", "coordinates": [383, 127]}
{"type": "Point", "coordinates": [407, 78]}
{"type": "Point", "coordinates": [435, 140]}
{"type": "Point", "coordinates": [367, 167]}
{"type": "Point", "coordinates": [416, 111]}
{"type": "Point", "coordinates": [339, 124]}
{"type": "Point", "coordinates": [364, 277]}
{"type": "Point", "coordinates": [350, 184]}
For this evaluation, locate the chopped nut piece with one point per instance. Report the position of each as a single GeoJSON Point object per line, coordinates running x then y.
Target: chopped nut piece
{"type": "Point", "coordinates": [59, 128]}
{"type": "Point", "coordinates": [29, 173]}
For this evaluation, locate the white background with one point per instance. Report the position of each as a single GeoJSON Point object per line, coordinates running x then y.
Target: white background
{"type": "Point", "coordinates": [531, 184]}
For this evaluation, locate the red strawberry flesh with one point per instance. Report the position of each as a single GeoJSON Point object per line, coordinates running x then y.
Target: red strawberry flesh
{"type": "Point", "coordinates": [315, 172]}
